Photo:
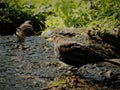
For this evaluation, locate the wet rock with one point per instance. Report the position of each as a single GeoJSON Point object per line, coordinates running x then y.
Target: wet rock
{"type": "Point", "coordinates": [102, 74]}
{"type": "Point", "coordinates": [36, 65]}
{"type": "Point", "coordinates": [25, 70]}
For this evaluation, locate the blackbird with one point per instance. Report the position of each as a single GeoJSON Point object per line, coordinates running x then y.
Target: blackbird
{"type": "Point", "coordinates": [73, 53]}
{"type": "Point", "coordinates": [25, 29]}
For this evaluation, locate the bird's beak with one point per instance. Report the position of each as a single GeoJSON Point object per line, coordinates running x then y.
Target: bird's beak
{"type": "Point", "coordinates": [49, 39]}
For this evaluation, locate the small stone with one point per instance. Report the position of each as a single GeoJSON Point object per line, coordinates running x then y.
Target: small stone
{"type": "Point", "coordinates": [36, 84]}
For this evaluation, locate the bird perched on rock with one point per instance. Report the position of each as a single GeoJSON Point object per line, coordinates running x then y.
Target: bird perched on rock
{"type": "Point", "coordinates": [73, 53]}
{"type": "Point", "coordinates": [23, 30]}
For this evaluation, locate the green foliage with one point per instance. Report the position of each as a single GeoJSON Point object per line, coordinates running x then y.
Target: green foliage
{"type": "Point", "coordinates": [17, 11]}
{"type": "Point", "coordinates": [85, 13]}
{"type": "Point", "coordinates": [51, 14]}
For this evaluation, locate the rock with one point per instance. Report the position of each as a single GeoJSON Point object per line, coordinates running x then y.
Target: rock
{"type": "Point", "coordinates": [102, 74]}
{"type": "Point", "coordinates": [25, 70]}
{"type": "Point", "coordinates": [33, 61]}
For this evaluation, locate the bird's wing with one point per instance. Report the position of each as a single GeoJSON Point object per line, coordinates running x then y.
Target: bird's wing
{"type": "Point", "coordinates": [68, 47]}
{"type": "Point", "coordinates": [72, 51]}
{"type": "Point", "coordinates": [77, 52]}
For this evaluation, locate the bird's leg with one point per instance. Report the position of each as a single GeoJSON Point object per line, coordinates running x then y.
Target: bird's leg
{"type": "Point", "coordinates": [20, 46]}
{"type": "Point", "coordinates": [20, 42]}
{"type": "Point", "coordinates": [57, 53]}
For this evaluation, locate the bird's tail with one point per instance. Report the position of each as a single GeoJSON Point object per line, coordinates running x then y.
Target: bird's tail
{"type": "Point", "coordinates": [113, 61]}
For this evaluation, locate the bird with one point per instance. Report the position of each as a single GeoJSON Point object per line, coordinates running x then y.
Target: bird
{"type": "Point", "coordinates": [25, 29]}
{"type": "Point", "coordinates": [74, 53]}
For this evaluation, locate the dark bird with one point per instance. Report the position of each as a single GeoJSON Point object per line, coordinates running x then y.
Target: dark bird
{"type": "Point", "coordinates": [73, 53]}
{"type": "Point", "coordinates": [25, 29]}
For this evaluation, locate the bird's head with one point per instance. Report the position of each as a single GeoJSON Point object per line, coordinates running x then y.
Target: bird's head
{"type": "Point", "coordinates": [57, 39]}
{"type": "Point", "coordinates": [28, 22]}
